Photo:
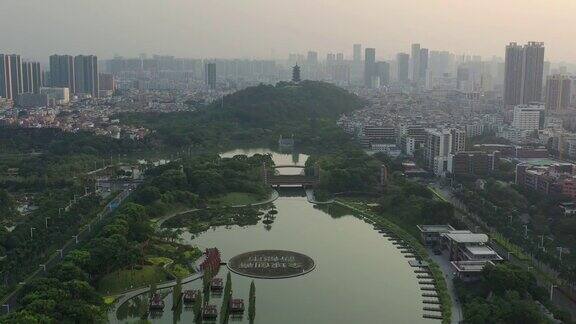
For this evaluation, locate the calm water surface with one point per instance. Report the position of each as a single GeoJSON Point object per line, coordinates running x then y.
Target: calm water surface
{"type": "Point", "coordinates": [360, 277]}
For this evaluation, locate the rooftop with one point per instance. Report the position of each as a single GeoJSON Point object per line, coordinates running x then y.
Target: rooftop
{"type": "Point", "coordinates": [435, 228]}
{"type": "Point", "coordinates": [467, 237]}
{"type": "Point", "coordinates": [470, 266]}
{"type": "Point", "coordinates": [481, 250]}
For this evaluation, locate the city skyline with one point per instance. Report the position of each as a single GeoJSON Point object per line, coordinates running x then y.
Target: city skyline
{"type": "Point", "coordinates": [273, 30]}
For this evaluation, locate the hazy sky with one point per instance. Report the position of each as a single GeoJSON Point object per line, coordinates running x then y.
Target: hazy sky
{"type": "Point", "coordinates": [262, 28]}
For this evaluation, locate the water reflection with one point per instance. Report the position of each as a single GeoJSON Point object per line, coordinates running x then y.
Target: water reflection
{"type": "Point", "coordinates": [360, 277]}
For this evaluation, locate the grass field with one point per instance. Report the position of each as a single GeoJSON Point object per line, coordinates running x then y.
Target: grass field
{"type": "Point", "coordinates": [235, 198]}
{"type": "Point", "coordinates": [122, 280]}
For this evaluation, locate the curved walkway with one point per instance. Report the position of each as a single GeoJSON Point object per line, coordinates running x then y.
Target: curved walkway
{"type": "Point", "coordinates": [273, 196]}
{"type": "Point", "coordinates": [312, 199]}
{"type": "Point", "coordinates": [457, 313]}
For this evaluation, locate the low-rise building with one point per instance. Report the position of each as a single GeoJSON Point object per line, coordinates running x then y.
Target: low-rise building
{"type": "Point", "coordinates": [432, 234]}
{"type": "Point", "coordinates": [468, 246]}
{"type": "Point", "coordinates": [469, 270]}
{"type": "Point", "coordinates": [473, 163]}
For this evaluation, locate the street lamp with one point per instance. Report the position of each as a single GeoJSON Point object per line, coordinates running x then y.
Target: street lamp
{"type": "Point", "coordinates": [47, 218]}
{"type": "Point", "coordinates": [32, 232]}
{"type": "Point", "coordinates": [75, 238]}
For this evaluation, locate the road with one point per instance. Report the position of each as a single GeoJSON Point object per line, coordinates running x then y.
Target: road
{"type": "Point", "coordinates": [10, 301]}
{"type": "Point", "coordinates": [560, 299]}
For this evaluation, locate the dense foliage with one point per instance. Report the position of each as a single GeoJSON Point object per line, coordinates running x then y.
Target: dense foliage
{"type": "Point", "coordinates": [505, 294]}
{"type": "Point", "coordinates": [255, 115]}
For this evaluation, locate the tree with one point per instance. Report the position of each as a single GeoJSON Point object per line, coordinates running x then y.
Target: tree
{"type": "Point", "coordinates": [226, 299]}
{"type": "Point", "coordinates": [252, 302]}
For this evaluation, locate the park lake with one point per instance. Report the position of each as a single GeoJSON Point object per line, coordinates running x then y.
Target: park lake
{"type": "Point", "coordinates": [359, 276]}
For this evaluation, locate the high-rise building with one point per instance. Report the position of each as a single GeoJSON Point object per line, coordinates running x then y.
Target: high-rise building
{"type": "Point", "coordinates": [523, 73]}
{"type": "Point", "coordinates": [415, 63]}
{"type": "Point", "coordinates": [532, 72]}
{"type": "Point", "coordinates": [558, 92]}
{"type": "Point", "coordinates": [107, 82]}
{"type": "Point", "coordinates": [312, 57]}
{"type": "Point", "coordinates": [340, 57]}
{"type": "Point", "coordinates": [210, 75]}
{"type": "Point", "coordinates": [383, 72]}
{"type": "Point", "coordinates": [357, 52]}
{"type": "Point", "coordinates": [439, 145]}
{"type": "Point", "coordinates": [5, 77]}
{"type": "Point", "coordinates": [86, 79]}
{"type": "Point", "coordinates": [403, 62]}
{"type": "Point", "coordinates": [16, 75]}
{"type": "Point", "coordinates": [513, 74]}
{"type": "Point", "coordinates": [62, 72]}
{"type": "Point", "coordinates": [370, 69]}
{"type": "Point", "coordinates": [423, 64]}
{"type": "Point", "coordinates": [31, 77]}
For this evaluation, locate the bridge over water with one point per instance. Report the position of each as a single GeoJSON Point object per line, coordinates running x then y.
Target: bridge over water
{"type": "Point", "coordinates": [275, 179]}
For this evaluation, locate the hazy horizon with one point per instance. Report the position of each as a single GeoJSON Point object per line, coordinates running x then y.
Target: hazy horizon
{"type": "Point", "coordinates": [269, 29]}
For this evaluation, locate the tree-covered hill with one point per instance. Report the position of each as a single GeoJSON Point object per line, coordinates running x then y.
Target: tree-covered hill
{"type": "Point", "coordinates": [255, 115]}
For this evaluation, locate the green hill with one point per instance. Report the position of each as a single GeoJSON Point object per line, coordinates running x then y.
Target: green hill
{"type": "Point", "coordinates": [254, 116]}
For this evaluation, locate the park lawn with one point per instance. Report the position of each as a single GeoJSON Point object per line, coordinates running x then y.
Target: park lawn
{"type": "Point", "coordinates": [235, 198]}
{"type": "Point", "coordinates": [121, 280]}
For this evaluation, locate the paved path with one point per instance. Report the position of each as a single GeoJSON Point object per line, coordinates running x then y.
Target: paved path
{"type": "Point", "coordinates": [10, 301]}
{"type": "Point", "coordinates": [312, 199]}
{"type": "Point", "coordinates": [472, 220]}
{"type": "Point", "coordinates": [446, 267]}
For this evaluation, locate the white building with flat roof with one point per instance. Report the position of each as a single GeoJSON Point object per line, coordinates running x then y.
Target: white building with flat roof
{"type": "Point", "coordinates": [528, 117]}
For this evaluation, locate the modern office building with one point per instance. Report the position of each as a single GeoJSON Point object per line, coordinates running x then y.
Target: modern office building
{"type": "Point", "coordinates": [86, 77]}
{"type": "Point", "coordinates": [524, 69]}
{"type": "Point", "coordinates": [528, 117]}
{"type": "Point", "coordinates": [357, 52]}
{"type": "Point", "coordinates": [210, 75]}
{"type": "Point", "coordinates": [370, 68]}
{"type": "Point", "coordinates": [62, 72]}
{"type": "Point", "coordinates": [558, 92]}
{"type": "Point", "coordinates": [403, 63]}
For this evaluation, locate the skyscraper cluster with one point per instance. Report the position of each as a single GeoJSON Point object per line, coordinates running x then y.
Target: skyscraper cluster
{"type": "Point", "coordinates": [18, 77]}
{"type": "Point", "coordinates": [79, 73]}
{"type": "Point", "coordinates": [524, 70]}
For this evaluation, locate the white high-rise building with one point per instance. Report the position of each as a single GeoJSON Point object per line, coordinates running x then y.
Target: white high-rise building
{"type": "Point", "coordinates": [415, 63]}
{"type": "Point", "coordinates": [528, 117]}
